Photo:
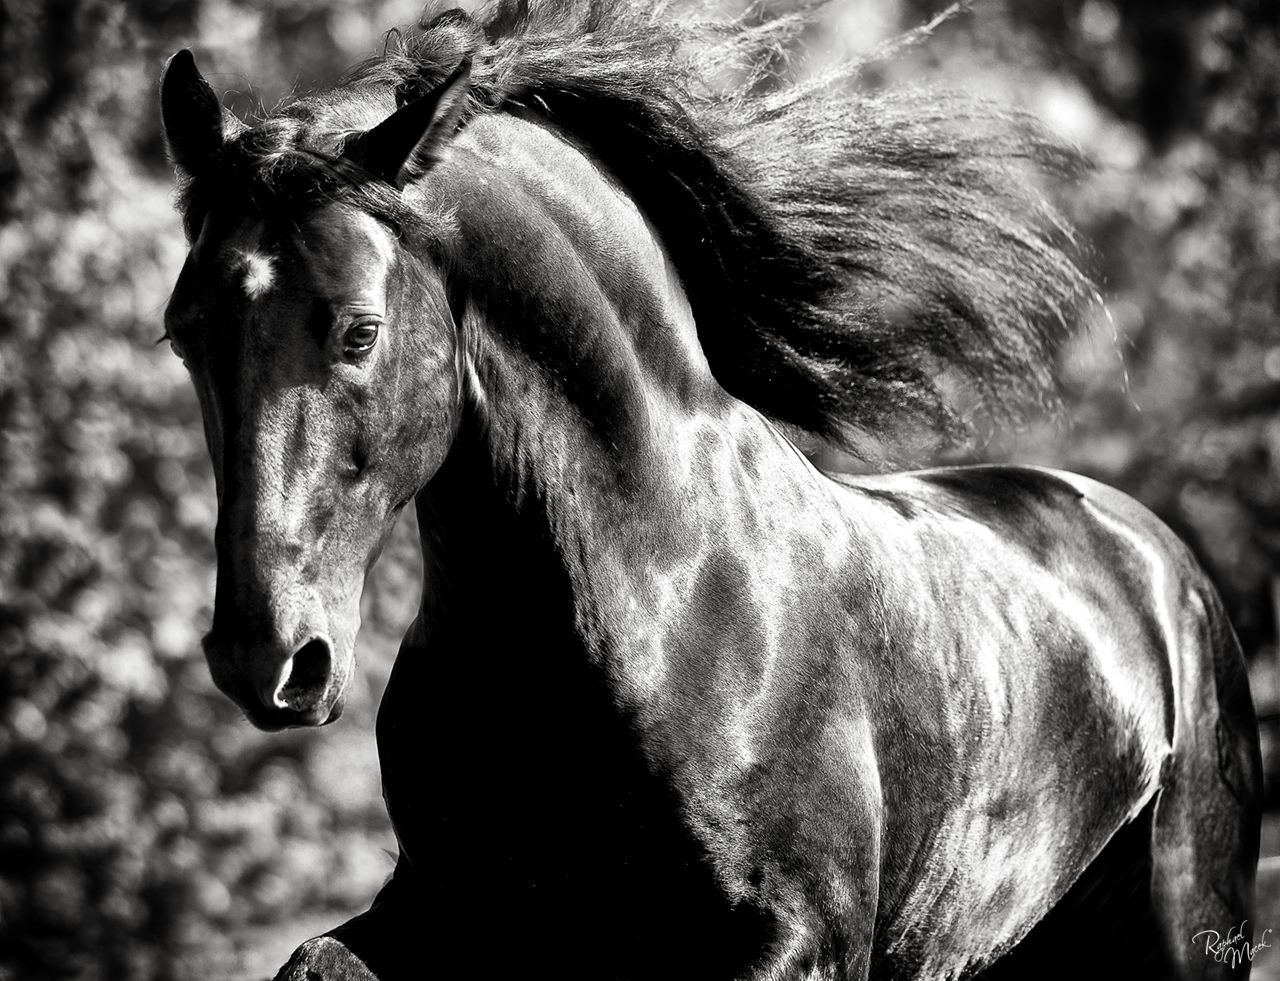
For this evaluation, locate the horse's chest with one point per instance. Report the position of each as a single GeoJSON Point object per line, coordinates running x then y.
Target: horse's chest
{"type": "Point", "coordinates": [511, 769]}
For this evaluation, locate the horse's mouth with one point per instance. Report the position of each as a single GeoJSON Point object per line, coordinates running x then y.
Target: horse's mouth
{"type": "Point", "coordinates": [277, 720]}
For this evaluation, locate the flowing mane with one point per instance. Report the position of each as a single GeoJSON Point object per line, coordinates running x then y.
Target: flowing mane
{"type": "Point", "coordinates": [846, 255]}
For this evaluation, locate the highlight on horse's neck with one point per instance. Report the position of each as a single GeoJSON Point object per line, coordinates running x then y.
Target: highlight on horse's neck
{"type": "Point", "coordinates": [579, 350]}
{"type": "Point", "coordinates": [591, 418]}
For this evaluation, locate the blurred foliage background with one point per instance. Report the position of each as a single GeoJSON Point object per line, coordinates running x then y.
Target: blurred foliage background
{"type": "Point", "coordinates": [146, 831]}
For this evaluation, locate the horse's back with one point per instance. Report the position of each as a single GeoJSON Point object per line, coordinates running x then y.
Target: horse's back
{"type": "Point", "coordinates": [1077, 644]}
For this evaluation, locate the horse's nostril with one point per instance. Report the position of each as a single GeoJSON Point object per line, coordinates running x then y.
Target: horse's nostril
{"type": "Point", "coordinates": [305, 676]}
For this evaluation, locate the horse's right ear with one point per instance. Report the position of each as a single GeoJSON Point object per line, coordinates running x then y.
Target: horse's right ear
{"type": "Point", "coordinates": [406, 144]}
{"type": "Point", "coordinates": [195, 126]}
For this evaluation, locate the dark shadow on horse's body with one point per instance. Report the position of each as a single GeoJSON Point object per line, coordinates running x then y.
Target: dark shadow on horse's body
{"type": "Point", "coordinates": [676, 704]}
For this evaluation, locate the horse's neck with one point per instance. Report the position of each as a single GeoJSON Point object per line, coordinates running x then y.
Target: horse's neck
{"type": "Point", "coordinates": [591, 406]}
{"type": "Point", "coordinates": [573, 301]}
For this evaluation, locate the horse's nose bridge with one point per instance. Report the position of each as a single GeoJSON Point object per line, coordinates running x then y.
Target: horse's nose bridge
{"type": "Point", "coordinates": [269, 482]}
{"type": "Point", "coordinates": [262, 554]}
{"type": "Point", "coordinates": [258, 559]}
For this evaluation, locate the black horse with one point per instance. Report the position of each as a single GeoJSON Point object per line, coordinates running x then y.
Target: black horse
{"type": "Point", "coordinates": [676, 703]}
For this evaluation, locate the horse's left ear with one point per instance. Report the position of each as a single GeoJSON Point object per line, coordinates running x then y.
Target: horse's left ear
{"type": "Point", "coordinates": [195, 124]}
{"type": "Point", "coordinates": [405, 145]}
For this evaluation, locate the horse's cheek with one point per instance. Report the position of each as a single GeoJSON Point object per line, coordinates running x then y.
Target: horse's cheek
{"type": "Point", "coordinates": [324, 959]}
{"type": "Point", "coordinates": [433, 430]}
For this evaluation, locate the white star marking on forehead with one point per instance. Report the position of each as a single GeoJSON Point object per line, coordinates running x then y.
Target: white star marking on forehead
{"type": "Point", "coordinates": [259, 273]}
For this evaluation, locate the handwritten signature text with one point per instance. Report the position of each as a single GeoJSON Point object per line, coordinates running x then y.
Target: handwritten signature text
{"type": "Point", "coordinates": [1231, 949]}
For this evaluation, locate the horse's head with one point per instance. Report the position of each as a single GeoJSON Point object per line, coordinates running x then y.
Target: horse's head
{"type": "Point", "coordinates": [324, 356]}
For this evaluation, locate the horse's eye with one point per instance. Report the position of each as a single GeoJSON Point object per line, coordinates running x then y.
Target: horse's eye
{"type": "Point", "coordinates": [167, 338]}
{"type": "Point", "coordinates": [360, 338]}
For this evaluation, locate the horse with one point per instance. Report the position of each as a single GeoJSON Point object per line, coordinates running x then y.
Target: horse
{"type": "Point", "coordinates": [587, 285]}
